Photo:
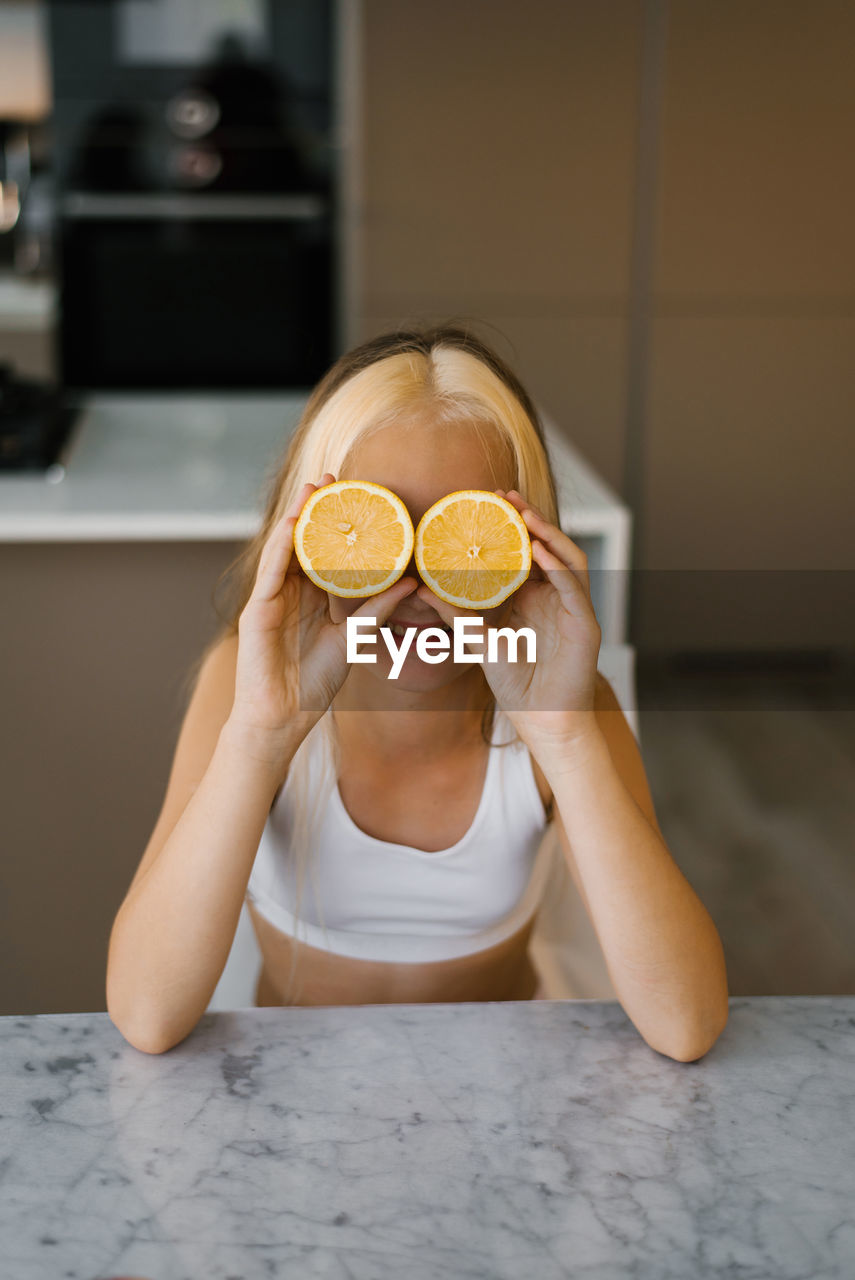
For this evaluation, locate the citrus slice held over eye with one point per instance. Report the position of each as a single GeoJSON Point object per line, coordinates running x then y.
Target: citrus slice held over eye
{"type": "Point", "coordinates": [473, 549]}
{"type": "Point", "coordinates": [353, 538]}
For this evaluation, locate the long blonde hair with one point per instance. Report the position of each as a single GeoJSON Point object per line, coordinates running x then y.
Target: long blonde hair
{"type": "Point", "coordinates": [457, 376]}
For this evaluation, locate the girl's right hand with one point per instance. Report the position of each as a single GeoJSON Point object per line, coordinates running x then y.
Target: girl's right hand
{"type": "Point", "coordinates": [291, 659]}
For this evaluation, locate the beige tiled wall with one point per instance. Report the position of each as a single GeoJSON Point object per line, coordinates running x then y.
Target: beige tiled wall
{"type": "Point", "coordinates": [749, 448]}
{"type": "Point", "coordinates": [499, 182]}
{"type": "Point", "coordinates": [751, 419]}
{"type": "Point", "coordinates": [499, 153]}
{"type": "Point", "coordinates": [758, 188]}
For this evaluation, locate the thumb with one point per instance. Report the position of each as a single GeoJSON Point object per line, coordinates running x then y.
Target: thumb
{"type": "Point", "coordinates": [383, 605]}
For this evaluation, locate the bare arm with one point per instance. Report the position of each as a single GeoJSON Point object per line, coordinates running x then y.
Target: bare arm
{"type": "Point", "coordinates": [662, 949]}
{"type": "Point", "coordinates": [173, 932]}
{"type": "Point", "coordinates": [659, 942]}
{"type": "Point", "coordinates": [247, 717]}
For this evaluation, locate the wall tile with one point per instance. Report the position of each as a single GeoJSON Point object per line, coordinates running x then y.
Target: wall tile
{"type": "Point", "coordinates": [499, 152]}
{"type": "Point", "coordinates": [757, 182]}
{"type": "Point", "coordinates": [748, 443]}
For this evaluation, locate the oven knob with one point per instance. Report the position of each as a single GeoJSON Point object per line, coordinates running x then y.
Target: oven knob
{"type": "Point", "coordinates": [192, 113]}
{"type": "Point", "coordinates": [195, 166]}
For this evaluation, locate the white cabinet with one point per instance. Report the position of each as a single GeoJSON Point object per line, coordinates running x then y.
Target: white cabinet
{"type": "Point", "coordinates": [601, 525]}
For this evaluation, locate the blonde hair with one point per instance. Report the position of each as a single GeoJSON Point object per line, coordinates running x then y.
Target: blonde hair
{"type": "Point", "coordinates": [389, 378]}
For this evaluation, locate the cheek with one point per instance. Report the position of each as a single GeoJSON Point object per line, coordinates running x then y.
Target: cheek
{"type": "Point", "coordinates": [341, 607]}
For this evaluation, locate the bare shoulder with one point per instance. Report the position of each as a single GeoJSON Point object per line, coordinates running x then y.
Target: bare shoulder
{"type": "Point", "coordinates": [214, 684]}
{"type": "Point", "coordinates": [210, 703]}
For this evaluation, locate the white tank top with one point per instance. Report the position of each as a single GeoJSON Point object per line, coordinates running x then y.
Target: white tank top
{"type": "Point", "coordinates": [388, 901]}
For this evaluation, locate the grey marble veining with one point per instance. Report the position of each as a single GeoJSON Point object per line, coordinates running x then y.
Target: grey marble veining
{"type": "Point", "coordinates": [535, 1139]}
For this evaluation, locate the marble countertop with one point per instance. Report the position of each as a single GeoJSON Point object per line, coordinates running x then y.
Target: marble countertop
{"type": "Point", "coordinates": [538, 1139]}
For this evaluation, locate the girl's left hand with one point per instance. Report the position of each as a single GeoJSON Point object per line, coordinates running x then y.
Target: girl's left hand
{"type": "Point", "coordinates": [551, 700]}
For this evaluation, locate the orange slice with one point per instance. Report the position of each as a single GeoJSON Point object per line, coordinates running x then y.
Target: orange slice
{"type": "Point", "coordinates": [353, 538]}
{"type": "Point", "coordinates": [473, 549]}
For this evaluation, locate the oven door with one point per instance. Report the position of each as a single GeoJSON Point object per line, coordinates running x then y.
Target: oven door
{"type": "Point", "coordinates": [196, 292]}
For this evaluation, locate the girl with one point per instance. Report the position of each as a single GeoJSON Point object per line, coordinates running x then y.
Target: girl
{"type": "Point", "coordinates": [288, 757]}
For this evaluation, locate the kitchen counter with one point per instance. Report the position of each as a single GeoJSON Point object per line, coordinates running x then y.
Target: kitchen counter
{"type": "Point", "coordinates": [541, 1139]}
{"type": "Point", "coordinates": [27, 304]}
{"type": "Point", "coordinates": [154, 467]}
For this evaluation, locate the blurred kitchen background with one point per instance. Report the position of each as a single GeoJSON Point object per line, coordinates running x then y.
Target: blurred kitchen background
{"type": "Point", "coordinates": [647, 206]}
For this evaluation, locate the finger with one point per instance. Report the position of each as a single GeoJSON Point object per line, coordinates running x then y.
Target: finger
{"type": "Point", "coordinates": [294, 568]}
{"type": "Point", "coordinates": [574, 594]}
{"type": "Point", "coordinates": [383, 605]}
{"type": "Point", "coordinates": [275, 558]}
{"type": "Point", "coordinates": [550, 535]}
{"type": "Point", "coordinates": [307, 490]}
{"type": "Point", "coordinates": [535, 573]}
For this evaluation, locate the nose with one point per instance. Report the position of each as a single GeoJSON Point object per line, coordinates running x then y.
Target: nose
{"type": "Point", "coordinates": [411, 571]}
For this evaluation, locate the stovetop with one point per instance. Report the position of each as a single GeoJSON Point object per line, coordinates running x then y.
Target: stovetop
{"type": "Point", "coordinates": [36, 421]}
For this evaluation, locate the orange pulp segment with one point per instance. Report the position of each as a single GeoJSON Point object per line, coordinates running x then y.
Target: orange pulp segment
{"type": "Point", "coordinates": [353, 538]}
{"type": "Point", "coordinates": [473, 549]}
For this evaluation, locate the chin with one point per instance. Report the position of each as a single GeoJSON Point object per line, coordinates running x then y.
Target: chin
{"type": "Point", "coordinates": [419, 676]}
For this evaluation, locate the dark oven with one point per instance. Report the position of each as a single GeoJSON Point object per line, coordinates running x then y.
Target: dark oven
{"type": "Point", "coordinates": [196, 192]}
{"type": "Point", "coordinates": [229, 292]}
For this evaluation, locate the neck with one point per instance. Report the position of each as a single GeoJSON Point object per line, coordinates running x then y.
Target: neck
{"type": "Point", "coordinates": [402, 723]}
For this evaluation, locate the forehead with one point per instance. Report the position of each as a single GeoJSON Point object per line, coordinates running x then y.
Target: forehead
{"type": "Point", "coordinates": [421, 452]}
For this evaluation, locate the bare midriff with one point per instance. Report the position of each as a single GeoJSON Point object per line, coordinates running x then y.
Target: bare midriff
{"type": "Point", "coordinates": [441, 799]}
{"type": "Point", "coordinates": [500, 972]}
